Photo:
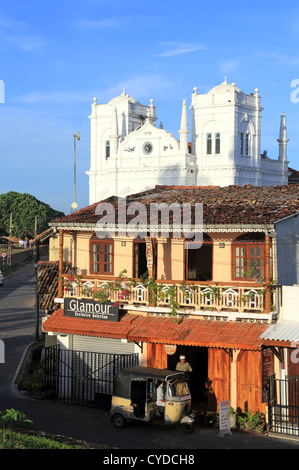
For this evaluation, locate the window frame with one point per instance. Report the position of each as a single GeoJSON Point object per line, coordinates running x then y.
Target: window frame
{"type": "Point", "coordinates": [247, 144]}
{"type": "Point", "coordinates": [107, 149]}
{"type": "Point", "coordinates": [209, 143]}
{"type": "Point", "coordinates": [101, 252]}
{"type": "Point", "coordinates": [217, 143]}
{"type": "Point", "coordinates": [247, 246]}
{"type": "Point", "coordinates": [245, 149]}
{"type": "Point", "coordinates": [242, 143]}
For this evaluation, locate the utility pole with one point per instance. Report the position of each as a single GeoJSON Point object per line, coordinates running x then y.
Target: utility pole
{"type": "Point", "coordinates": [35, 235]}
{"type": "Point", "coordinates": [36, 253]}
{"type": "Point", "coordinates": [9, 241]}
{"type": "Point", "coordinates": [74, 205]}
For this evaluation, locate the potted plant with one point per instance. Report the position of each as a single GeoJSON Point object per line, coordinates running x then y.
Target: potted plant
{"type": "Point", "coordinates": [252, 421]}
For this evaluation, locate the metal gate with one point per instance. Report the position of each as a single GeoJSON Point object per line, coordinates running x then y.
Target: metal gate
{"type": "Point", "coordinates": [283, 400]}
{"type": "Point", "coordinates": [82, 377]}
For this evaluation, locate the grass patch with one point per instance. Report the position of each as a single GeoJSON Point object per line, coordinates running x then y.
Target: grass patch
{"type": "Point", "coordinates": [18, 432]}
{"type": "Point", "coordinates": [11, 439]}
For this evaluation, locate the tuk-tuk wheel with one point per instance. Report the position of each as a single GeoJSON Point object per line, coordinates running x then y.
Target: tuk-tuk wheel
{"type": "Point", "coordinates": [118, 420]}
{"type": "Point", "coordinates": [188, 428]}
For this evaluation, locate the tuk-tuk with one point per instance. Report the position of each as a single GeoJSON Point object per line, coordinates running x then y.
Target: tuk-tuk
{"type": "Point", "coordinates": [135, 397]}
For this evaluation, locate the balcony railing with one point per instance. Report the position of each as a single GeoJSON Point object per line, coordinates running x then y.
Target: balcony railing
{"type": "Point", "coordinates": [192, 296]}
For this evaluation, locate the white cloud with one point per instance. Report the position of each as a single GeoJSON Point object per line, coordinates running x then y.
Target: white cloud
{"type": "Point", "coordinates": [98, 24]}
{"type": "Point", "coordinates": [140, 87]}
{"type": "Point", "coordinates": [40, 97]}
{"type": "Point", "coordinates": [229, 66]}
{"type": "Point", "coordinates": [143, 86]}
{"type": "Point", "coordinates": [8, 23]}
{"type": "Point", "coordinates": [17, 34]}
{"type": "Point", "coordinates": [178, 48]}
{"type": "Point", "coordinates": [281, 59]}
{"type": "Point", "coordinates": [27, 43]}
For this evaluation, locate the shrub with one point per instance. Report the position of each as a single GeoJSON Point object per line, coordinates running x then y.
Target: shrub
{"type": "Point", "coordinates": [12, 417]}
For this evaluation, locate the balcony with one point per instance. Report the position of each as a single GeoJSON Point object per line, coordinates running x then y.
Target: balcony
{"type": "Point", "coordinates": [210, 300]}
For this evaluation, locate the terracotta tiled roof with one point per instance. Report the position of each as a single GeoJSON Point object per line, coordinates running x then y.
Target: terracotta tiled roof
{"type": "Point", "coordinates": [221, 205]}
{"type": "Point", "coordinates": [293, 176]}
{"type": "Point", "coordinates": [47, 284]}
{"type": "Point", "coordinates": [190, 332]}
{"type": "Point", "coordinates": [43, 235]}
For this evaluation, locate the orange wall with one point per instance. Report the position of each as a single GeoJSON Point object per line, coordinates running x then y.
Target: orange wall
{"type": "Point", "coordinates": [170, 255]}
{"type": "Point", "coordinates": [170, 259]}
{"type": "Point", "coordinates": [222, 257]}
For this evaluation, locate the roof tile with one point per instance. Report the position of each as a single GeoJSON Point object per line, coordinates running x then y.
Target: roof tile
{"type": "Point", "coordinates": [191, 332]}
{"type": "Point", "coordinates": [221, 205]}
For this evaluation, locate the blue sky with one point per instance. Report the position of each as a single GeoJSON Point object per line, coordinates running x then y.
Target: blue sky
{"type": "Point", "coordinates": [56, 56]}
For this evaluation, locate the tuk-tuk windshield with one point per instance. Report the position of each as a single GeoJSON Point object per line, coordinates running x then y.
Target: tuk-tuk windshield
{"type": "Point", "coordinates": [178, 389]}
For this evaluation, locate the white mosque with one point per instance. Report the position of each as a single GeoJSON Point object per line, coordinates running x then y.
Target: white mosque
{"type": "Point", "coordinates": [222, 147]}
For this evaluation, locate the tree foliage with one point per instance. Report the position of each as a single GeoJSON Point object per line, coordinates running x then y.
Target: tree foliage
{"type": "Point", "coordinates": [24, 208]}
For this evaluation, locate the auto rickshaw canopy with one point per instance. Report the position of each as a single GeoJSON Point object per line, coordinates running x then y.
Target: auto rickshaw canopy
{"type": "Point", "coordinates": [122, 380]}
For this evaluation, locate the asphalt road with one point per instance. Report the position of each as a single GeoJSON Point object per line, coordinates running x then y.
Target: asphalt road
{"type": "Point", "coordinates": [17, 330]}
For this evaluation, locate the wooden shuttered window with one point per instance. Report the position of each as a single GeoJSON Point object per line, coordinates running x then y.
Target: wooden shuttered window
{"type": "Point", "coordinates": [101, 257]}
{"type": "Point", "coordinates": [248, 261]}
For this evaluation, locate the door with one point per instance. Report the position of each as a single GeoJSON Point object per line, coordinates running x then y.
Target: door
{"type": "Point", "coordinates": [249, 381]}
{"type": "Point", "coordinates": [218, 383]}
{"type": "Point", "coordinates": [140, 267]}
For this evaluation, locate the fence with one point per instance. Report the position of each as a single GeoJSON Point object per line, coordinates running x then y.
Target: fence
{"type": "Point", "coordinates": [283, 401]}
{"type": "Point", "coordinates": [82, 378]}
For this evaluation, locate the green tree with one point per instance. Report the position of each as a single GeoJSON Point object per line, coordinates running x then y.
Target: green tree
{"type": "Point", "coordinates": [24, 208]}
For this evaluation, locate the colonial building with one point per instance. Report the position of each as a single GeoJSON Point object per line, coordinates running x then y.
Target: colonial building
{"type": "Point", "coordinates": [213, 302]}
{"type": "Point", "coordinates": [130, 153]}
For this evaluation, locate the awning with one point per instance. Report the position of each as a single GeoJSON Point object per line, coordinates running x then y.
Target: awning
{"type": "Point", "coordinates": [164, 330]}
{"type": "Point", "coordinates": [282, 333]}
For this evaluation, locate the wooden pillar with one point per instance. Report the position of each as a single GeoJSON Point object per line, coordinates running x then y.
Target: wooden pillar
{"type": "Point", "coordinates": [267, 274]}
{"type": "Point", "coordinates": [156, 356]}
{"type": "Point", "coordinates": [233, 379]}
{"type": "Point", "coordinates": [60, 265]}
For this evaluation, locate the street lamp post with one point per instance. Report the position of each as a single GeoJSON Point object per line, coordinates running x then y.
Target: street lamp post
{"type": "Point", "coordinates": [75, 205]}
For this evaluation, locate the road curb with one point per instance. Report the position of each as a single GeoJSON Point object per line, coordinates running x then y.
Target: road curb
{"type": "Point", "coordinates": [13, 385]}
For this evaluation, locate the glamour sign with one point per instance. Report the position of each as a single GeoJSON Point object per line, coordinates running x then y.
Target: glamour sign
{"type": "Point", "coordinates": [90, 309]}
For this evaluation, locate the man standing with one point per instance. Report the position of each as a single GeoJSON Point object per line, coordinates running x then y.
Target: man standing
{"type": "Point", "coordinates": [184, 366]}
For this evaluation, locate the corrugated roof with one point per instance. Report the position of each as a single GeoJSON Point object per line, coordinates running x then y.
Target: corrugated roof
{"type": "Point", "coordinates": [191, 332]}
{"type": "Point", "coordinates": [283, 330]}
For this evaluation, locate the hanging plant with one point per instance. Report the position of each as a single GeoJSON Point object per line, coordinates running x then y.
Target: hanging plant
{"type": "Point", "coordinates": [101, 293]}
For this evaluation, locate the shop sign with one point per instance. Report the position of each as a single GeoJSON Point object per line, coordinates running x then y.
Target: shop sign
{"type": "Point", "coordinates": [267, 369]}
{"type": "Point", "coordinates": [170, 349]}
{"type": "Point", "coordinates": [224, 421]}
{"type": "Point", "coordinates": [90, 309]}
